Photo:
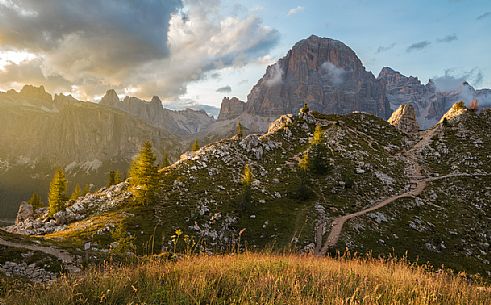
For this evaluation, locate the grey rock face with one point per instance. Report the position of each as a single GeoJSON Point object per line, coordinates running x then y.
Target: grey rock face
{"type": "Point", "coordinates": [231, 108]}
{"type": "Point", "coordinates": [322, 72]}
{"type": "Point", "coordinates": [404, 118]}
{"type": "Point", "coordinates": [25, 212]}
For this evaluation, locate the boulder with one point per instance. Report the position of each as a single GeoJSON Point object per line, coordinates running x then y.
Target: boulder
{"type": "Point", "coordinates": [26, 212]}
{"type": "Point", "coordinates": [404, 119]}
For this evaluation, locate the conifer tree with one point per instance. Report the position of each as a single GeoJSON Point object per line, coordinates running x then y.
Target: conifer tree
{"type": "Point", "coordinates": [165, 159]}
{"type": "Point", "coordinates": [143, 175]}
{"type": "Point", "coordinates": [246, 187]}
{"type": "Point", "coordinates": [35, 201]}
{"type": "Point", "coordinates": [57, 192]}
{"type": "Point", "coordinates": [77, 192]}
{"type": "Point", "coordinates": [239, 130]}
{"type": "Point", "coordinates": [114, 178]}
{"type": "Point", "coordinates": [305, 108]}
{"type": "Point", "coordinates": [86, 189]}
{"type": "Point", "coordinates": [195, 146]}
{"type": "Point", "coordinates": [318, 153]}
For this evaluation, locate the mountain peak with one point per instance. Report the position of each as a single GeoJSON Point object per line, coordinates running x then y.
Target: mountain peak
{"type": "Point", "coordinates": [110, 98]}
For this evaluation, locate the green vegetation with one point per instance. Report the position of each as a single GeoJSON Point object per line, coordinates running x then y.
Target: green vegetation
{"type": "Point", "coordinates": [305, 108]}
{"type": "Point", "coordinates": [143, 175]}
{"type": "Point", "coordinates": [57, 192]}
{"type": "Point", "coordinates": [246, 187]}
{"type": "Point", "coordinates": [459, 105]}
{"type": "Point", "coordinates": [165, 159]}
{"type": "Point", "coordinates": [257, 279]}
{"type": "Point", "coordinates": [77, 192]}
{"type": "Point", "coordinates": [239, 130]}
{"type": "Point", "coordinates": [318, 153]}
{"type": "Point", "coordinates": [35, 201]}
{"type": "Point", "coordinates": [114, 178]}
{"type": "Point", "coordinates": [195, 146]}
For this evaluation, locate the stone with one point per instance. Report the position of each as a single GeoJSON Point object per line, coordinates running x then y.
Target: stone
{"type": "Point", "coordinates": [230, 108]}
{"type": "Point", "coordinates": [24, 213]}
{"type": "Point", "coordinates": [404, 119]}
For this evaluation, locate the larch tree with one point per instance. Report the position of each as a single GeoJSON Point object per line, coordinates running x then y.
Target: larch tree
{"type": "Point", "coordinates": [318, 153]}
{"type": "Point", "coordinates": [77, 192]}
{"type": "Point", "coordinates": [195, 146]}
{"type": "Point", "coordinates": [239, 130]}
{"type": "Point", "coordinates": [143, 175]}
{"type": "Point", "coordinates": [35, 201]}
{"type": "Point", "coordinates": [246, 180]}
{"type": "Point", "coordinates": [165, 159]}
{"type": "Point", "coordinates": [114, 178]}
{"type": "Point", "coordinates": [57, 192]}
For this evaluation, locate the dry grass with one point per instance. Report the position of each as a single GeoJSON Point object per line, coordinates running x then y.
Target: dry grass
{"type": "Point", "coordinates": [258, 279]}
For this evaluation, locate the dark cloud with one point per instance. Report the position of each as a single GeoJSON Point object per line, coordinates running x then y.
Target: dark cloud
{"type": "Point", "coordinates": [417, 46]}
{"type": "Point", "coordinates": [382, 49]}
{"type": "Point", "coordinates": [226, 89]}
{"type": "Point", "coordinates": [484, 15]}
{"type": "Point", "coordinates": [153, 47]}
{"type": "Point", "coordinates": [448, 38]}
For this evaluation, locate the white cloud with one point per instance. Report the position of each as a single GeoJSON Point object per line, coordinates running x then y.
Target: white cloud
{"type": "Point", "coordinates": [334, 73]}
{"type": "Point", "coordinates": [274, 76]}
{"type": "Point", "coordinates": [296, 10]}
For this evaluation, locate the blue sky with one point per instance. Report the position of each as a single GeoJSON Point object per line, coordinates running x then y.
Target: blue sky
{"type": "Point", "coordinates": [203, 50]}
{"type": "Point", "coordinates": [453, 40]}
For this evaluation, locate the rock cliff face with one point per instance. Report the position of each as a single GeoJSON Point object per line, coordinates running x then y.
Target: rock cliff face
{"type": "Point", "coordinates": [183, 122]}
{"type": "Point", "coordinates": [39, 134]}
{"type": "Point", "coordinates": [322, 72]}
{"type": "Point", "coordinates": [404, 118]}
{"type": "Point", "coordinates": [231, 108]}
{"type": "Point", "coordinates": [429, 101]}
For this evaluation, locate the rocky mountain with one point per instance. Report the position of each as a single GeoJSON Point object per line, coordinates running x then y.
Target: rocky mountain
{"type": "Point", "coordinates": [182, 122]}
{"type": "Point", "coordinates": [40, 133]}
{"type": "Point", "coordinates": [231, 108]}
{"type": "Point", "coordinates": [424, 194]}
{"type": "Point", "coordinates": [429, 100]}
{"type": "Point", "coordinates": [322, 72]}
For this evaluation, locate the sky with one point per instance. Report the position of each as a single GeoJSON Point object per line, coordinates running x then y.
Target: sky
{"type": "Point", "coordinates": [199, 51]}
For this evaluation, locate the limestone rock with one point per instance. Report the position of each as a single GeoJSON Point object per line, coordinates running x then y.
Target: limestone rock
{"type": "Point", "coordinates": [231, 108]}
{"type": "Point", "coordinates": [453, 113]}
{"type": "Point", "coordinates": [404, 118]}
{"type": "Point", "coordinates": [322, 72]}
{"type": "Point", "coordinates": [26, 212]}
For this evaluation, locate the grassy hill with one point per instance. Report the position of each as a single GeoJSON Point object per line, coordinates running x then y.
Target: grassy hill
{"type": "Point", "coordinates": [256, 279]}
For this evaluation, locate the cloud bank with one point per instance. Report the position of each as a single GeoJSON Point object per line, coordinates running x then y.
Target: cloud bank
{"type": "Point", "coordinates": [154, 47]}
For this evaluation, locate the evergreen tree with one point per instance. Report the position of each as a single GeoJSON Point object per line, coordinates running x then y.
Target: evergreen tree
{"type": "Point", "coordinates": [239, 130]}
{"type": "Point", "coordinates": [114, 178]}
{"type": "Point", "coordinates": [195, 146]}
{"type": "Point", "coordinates": [318, 153]}
{"type": "Point", "coordinates": [86, 189]}
{"type": "Point", "coordinates": [77, 192]}
{"type": "Point", "coordinates": [246, 187]}
{"type": "Point", "coordinates": [57, 192]}
{"type": "Point", "coordinates": [305, 108]}
{"type": "Point", "coordinates": [35, 201]}
{"type": "Point", "coordinates": [143, 175]}
{"type": "Point", "coordinates": [165, 159]}
{"type": "Point", "coordinates": [302, 191]}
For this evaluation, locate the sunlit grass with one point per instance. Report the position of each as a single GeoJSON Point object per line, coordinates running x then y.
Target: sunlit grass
{"type": "Point", "coordinates": [259, 279]}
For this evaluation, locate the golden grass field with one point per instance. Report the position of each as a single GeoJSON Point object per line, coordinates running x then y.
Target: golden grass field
{"type": "Point", "coordinates": [258, 279]}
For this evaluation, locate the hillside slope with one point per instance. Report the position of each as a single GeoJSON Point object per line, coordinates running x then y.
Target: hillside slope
{"type": "Point", "coordinates": [400, 199]}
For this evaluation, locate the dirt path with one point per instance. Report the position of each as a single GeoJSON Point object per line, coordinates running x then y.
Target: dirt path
{"type": "Point", "coordinates": [65, 257]}
{"type": "Point", "coordinates": [417, 185]}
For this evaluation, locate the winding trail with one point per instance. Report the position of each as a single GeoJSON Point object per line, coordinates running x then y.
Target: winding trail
{"type": "Point", "coordinates": [418, 182]}
{"type": "Point", "coordinates": [66, 258]}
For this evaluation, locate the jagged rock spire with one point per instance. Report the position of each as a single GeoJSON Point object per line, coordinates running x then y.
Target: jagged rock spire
{"type": "Point", "coordinates": [404, 118]}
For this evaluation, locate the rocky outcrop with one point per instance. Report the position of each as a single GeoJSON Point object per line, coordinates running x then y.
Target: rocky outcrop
{"type": "Point", "coordinates": [322, 72]}
{"type": "Point", "coordinates": [28, 96]}
{"type": "Point", "coordinates": [231, 108]}
{"type": "Point", "coordinates": [404, 119]}
{"type": "Point", "coordinates": [454, 112]}
{"type": "Point", "coordinates": [25, 213]}
{"type": "Point", "coordinates": [429, 100]}
{"type": "Point", "coordinates": [183, 122]}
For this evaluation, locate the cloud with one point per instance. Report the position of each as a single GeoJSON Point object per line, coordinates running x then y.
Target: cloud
{"type": "Point", "coordinates": [154, 47]}
{"type": "Point", "coordinates": [296, 10]}
{"type": "Point", "coordinates": [225, 89]}
{"type": "Point", "coordinates": [382, 49]}
{"type": "Point", "coordinates": [448, 38]}
{"type": "Point", "coordinates": [417, 46]}
{"type": "Point", "coordinates": [453, 80]}
{"type": "Point", "coordinates": [334, 73]}
{"type": "Point", "coordinates": [484, 15]}
{"type": "Point", "coordinates": [274, 75]}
